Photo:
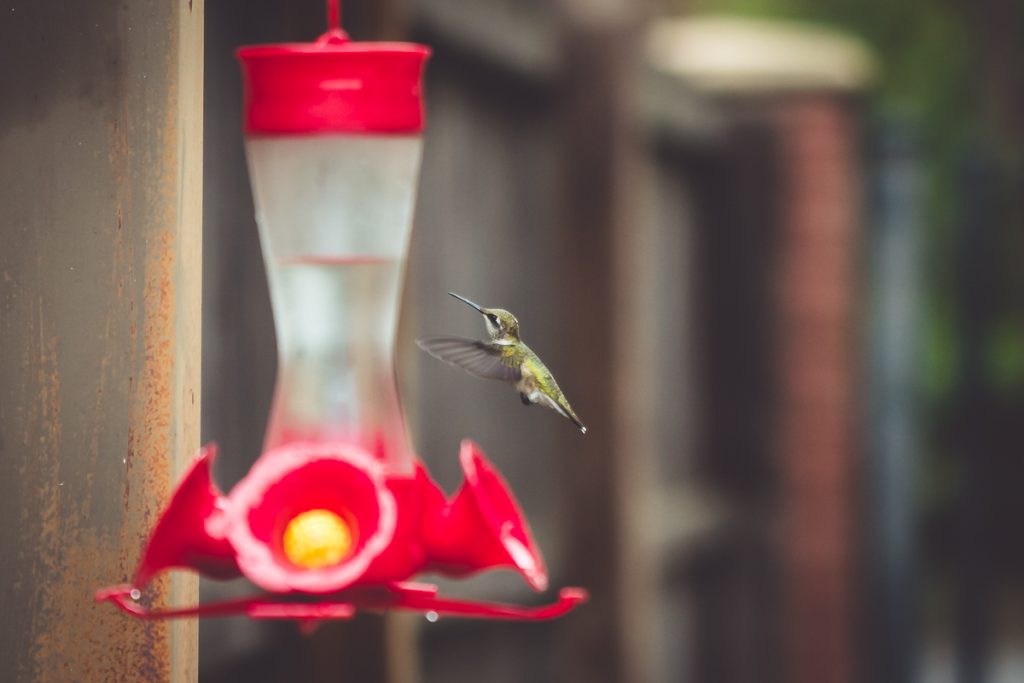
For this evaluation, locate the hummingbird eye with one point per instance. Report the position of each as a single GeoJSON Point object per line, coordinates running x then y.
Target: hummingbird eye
{"type": "Point", "coordinates": [493, 318]}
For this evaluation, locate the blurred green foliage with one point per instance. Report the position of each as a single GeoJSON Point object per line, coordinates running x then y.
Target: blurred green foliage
{"type": "Point", "coordinates": [924, 49]}
{"type": "Point", "coordinates": [952, 71]}
{"type": "Point", "coordinates": [932, 75]}
{"type": "Point", "coordinates": [924, 46]}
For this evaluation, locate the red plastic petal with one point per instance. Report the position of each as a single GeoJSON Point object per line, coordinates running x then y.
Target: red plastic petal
{"type": "Point", "coordinates": [187, 535]}
{"type": "Point", "coordinates": [482, 527]}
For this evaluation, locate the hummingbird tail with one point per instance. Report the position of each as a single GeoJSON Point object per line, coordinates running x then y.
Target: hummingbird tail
{"type": "Point", "coordinates": [576, 421]}
{"type": "Point", "coordinates": [567, 411]}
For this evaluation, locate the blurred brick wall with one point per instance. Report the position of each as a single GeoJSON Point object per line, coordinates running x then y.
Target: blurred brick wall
{"type": "Point", "coordinates": [817, 255]}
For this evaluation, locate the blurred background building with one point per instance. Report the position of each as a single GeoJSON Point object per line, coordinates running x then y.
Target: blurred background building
{"type": "Point", "coordinates": [771, 248]}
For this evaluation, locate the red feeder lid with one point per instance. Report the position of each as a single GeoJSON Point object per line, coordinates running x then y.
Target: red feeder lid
{"type": "Point", "coordinates": [333, 86]}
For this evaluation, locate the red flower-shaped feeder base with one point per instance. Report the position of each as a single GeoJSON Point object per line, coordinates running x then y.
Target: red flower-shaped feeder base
{"type": "Point", "coordinates": [326, 531]}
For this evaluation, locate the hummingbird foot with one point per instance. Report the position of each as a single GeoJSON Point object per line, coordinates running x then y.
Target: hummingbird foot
{"type": "Point", "coordinates": [525, 399]}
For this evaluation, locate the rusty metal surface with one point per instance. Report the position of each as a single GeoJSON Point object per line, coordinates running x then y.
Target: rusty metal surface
{"type": "Point", "coordinates": [100, 170]}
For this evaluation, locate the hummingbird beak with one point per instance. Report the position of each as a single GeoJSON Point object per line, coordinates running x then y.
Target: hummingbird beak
{"type": "Point", "coordinates": [467, 302]}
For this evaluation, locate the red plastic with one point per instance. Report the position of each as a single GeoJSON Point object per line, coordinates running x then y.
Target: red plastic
{"type": "Point", "coordinates": [305, 476]}
{"type": "Point", "coordinates": [402, 526]}
{"type": "Point", "coordinates": [418, 597]}
{"type": "Point", "coordinates": [333, 86]}
{"type": "Point", "coordinates": [485, 511]}
{"type": "Point", "coordinates": [189, 533]}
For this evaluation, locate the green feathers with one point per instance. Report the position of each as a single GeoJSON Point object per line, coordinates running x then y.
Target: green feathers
{"type": "Point", "coordinates": [503, 357]}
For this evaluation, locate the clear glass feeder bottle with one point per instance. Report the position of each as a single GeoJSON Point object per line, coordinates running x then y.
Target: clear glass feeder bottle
{"type": "Point", "coordinates": [334, 173]}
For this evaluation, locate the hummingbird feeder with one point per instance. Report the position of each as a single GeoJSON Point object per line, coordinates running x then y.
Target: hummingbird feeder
{"type": "Point", "coordinates": [337, 514]}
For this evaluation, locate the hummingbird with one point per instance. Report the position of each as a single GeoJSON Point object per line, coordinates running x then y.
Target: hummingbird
{"type": "Point", "coordinates": [506, 357]}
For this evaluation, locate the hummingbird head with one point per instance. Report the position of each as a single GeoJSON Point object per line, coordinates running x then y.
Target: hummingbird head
{"type": "Point", "coordinates": [500, 323]}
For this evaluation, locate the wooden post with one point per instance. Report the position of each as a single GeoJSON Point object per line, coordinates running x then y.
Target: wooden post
{"type": "Point", "coordinates": [100, 217]}
{"type": "Point", "coordinates": [893, 441]}
{"type": "Point", "coordinates": [800, 83]}
{"type": "Point", "coordinates": [601, 59]}
{"type": "Point", "coordinates": [973, 427]}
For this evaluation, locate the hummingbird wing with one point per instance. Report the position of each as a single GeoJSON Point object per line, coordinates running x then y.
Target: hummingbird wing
{"type": "Point", "coordinates": [475, 357]}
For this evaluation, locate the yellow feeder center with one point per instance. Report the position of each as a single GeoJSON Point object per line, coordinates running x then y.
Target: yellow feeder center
{"type": "Point", "coordinates": [317, 538]}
